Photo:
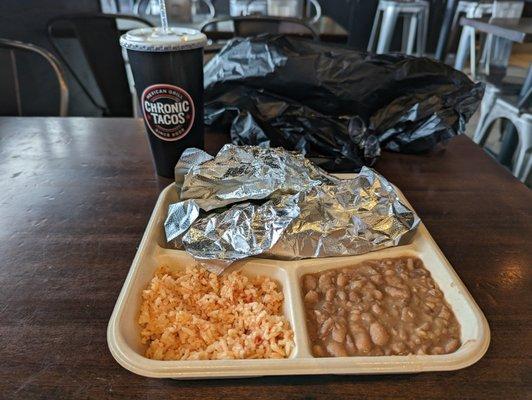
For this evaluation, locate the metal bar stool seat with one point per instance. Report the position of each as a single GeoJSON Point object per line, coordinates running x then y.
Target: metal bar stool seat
{"type": "Point", "coordinates": [415, 16]}
{"type": "Point", "coordinates": [495, 107]}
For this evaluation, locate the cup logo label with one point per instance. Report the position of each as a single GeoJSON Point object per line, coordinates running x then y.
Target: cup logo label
{"type": "Point", "coordinates": [168, 111]}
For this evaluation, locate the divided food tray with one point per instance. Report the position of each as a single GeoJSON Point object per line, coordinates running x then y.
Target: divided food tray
{"type": "Point", "coordinates": [123, 333]}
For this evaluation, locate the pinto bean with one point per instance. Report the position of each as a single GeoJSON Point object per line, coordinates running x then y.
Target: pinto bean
{"type": "Point", "coordinates": [363, 341]}
{"type": "Point", "coordinates": [341, 295]}
{"type": "Point", "coordinates": [355, 285]}
{"type": "Point", "coordinates": [396, 292]}
{"type": "Point", "coordinates": [320, 317]}
{"type": "Point", "coordinates": [377, 310]}
{"type": "Point", "coordinates": [309, 282]}
{"type": "Point", "coordinates": [407, 314]}
{"type": "Point", "coordinates": [444, 313]}
{"type": "Point", "coordinates": [324, 282]}
{"type": "Point", "coordinates": [366, 317]}
{"type": "Point", "coordinates": [452, 345]}
{"type": "Point", "coordinates": [378, 294]}
{"type": "Point", "coordinates": [350, 345]}
{"type": "Point", "coordinates": [341, 280]}
{"type": "Point", "coordinates": [353, 296]}
{"type": "Point", "coordinates": [378, 334]}
{"type": "Point", "coordinates": [436, 350]}
{"type": "Point", "coordinates": [425, 325]}
{"type": "Point", "coordinates": [398, 347]}
{"type": "Point", "coordinates": [366, 270]}
{"type": "Point", "coordinates": [336, 349]}
{"type": "Point", "coordinates": [354, 315]}
{"type": "Point", "coordinates": [326, 327]}
{"type": "Point", "coordinates": [338, 333]}
{"type": "Point", "coordinates": [318, 350]}
{"type": "Point", "coordinates": [394, 281]}
{"type": "Point", "coordinates": [329, 295]}
{"type": "Point", "coordinates": [312, 297]}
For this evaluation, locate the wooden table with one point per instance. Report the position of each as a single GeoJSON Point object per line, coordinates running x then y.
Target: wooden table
{"type": "Point", "coordinates": [75, 197]}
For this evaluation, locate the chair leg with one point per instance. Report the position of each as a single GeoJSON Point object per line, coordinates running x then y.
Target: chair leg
{"type": "Point", "coordinates": [527, 170]}
{"type": "Point", "coordinates": [486, 54]}
{"type": "Point", "coordinates": [463, 49]}
{"type": "Point", "coordinates": [524, 129]}
{"type": "Point", "coordinates": [488, 102]}
{"type": "Point", "coordinates": [419, 34]}
{"type": "Point", "coordinates": [406, 30]}
{"type": "Point", "coordinates": [412, 34]}
{"type": "Point", "coordinates": [389, 19]}
{"type": "Point", "coordinates": [522, 161]}
{"type": "Point", "coordinates": [424, 30]}
{"type": "Point", "coordinates": [484, 132]}
{"type": "Point", "coordinates": [508, 143]}
{"type": "Point", "coordinates": [472, 54]}
{"type": "Point", "coordinates": [455, 25]}
{"type": "Point", "coordinates": [374, 30]}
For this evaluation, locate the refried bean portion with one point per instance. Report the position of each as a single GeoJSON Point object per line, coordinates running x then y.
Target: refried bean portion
{"type": "Point", "coordinates": [378, 307]}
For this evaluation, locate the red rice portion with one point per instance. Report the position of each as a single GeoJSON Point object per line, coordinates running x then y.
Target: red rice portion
{"type": "Point", "coordinates": [197, 315]}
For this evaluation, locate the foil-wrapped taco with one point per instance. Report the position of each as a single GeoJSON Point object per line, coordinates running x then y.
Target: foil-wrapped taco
{"type": "Point", "coordinates": [254, 201]}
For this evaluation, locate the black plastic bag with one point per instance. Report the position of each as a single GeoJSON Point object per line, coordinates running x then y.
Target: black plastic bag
{"type": "Point", "coordinates": [256, 118]}
{"type": "Point", "coordinates": [337, 105]}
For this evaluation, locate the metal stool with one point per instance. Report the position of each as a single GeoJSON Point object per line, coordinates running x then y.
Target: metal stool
{"type": "Point", "coordinates": [415, 16]}
{"type": "Point", "coordinates": [497, 9]}
{"type": "Point", "coordinates": [466, 46]}
{"type": "Point", "coordinates": [494, 107]}
{"type": "Point", "coordinates": [471, 9]}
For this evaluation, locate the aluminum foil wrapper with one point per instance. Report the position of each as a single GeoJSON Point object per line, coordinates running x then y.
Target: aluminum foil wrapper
{"type": "Point", "coordinates": [244, 230]}
{"type": "Point", "coordinates": [353, 217]}
{"type": "Point", "coordinates": [274, 203]}
{"type": "Point", "coordinates": [180, 217]}
{"type": "Point", "coordinates": [241, 173]}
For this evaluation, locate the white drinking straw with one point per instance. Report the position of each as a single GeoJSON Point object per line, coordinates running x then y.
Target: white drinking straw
{"type": "Point", "coordinates": [164, 18]}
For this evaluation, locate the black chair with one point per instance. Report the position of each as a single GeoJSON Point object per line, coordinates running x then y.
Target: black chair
{"type": "Point", "coordinates": [252, 25]}
{"type": "Point", "coordinates": [10, 99]}
{"type": "Point", "coordinates": [98, 36]}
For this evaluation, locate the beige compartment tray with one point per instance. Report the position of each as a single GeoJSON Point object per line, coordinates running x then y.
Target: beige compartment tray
{"type": "Point", "coordinates": [123, 333]}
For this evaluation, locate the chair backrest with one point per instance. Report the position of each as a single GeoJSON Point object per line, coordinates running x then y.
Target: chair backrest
{"type": "Point", "coordinates": [252, 25]}
{"type": "Point", "coordinates": [180, 11]}
{"type": "Point", "coordinates": [10, 99]}
{"type": "Point", "coordinates": [145, 7]}
{"type": "Point", "coordinates": [507, 9]}
{"type": "Point", "coordinates": [277, 8]}
{"type": "Point", "coordinates": [98, 36]}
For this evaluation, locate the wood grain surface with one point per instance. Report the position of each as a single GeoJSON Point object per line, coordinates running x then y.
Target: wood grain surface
{"type": "Point", "coordinates": [75, 197]}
